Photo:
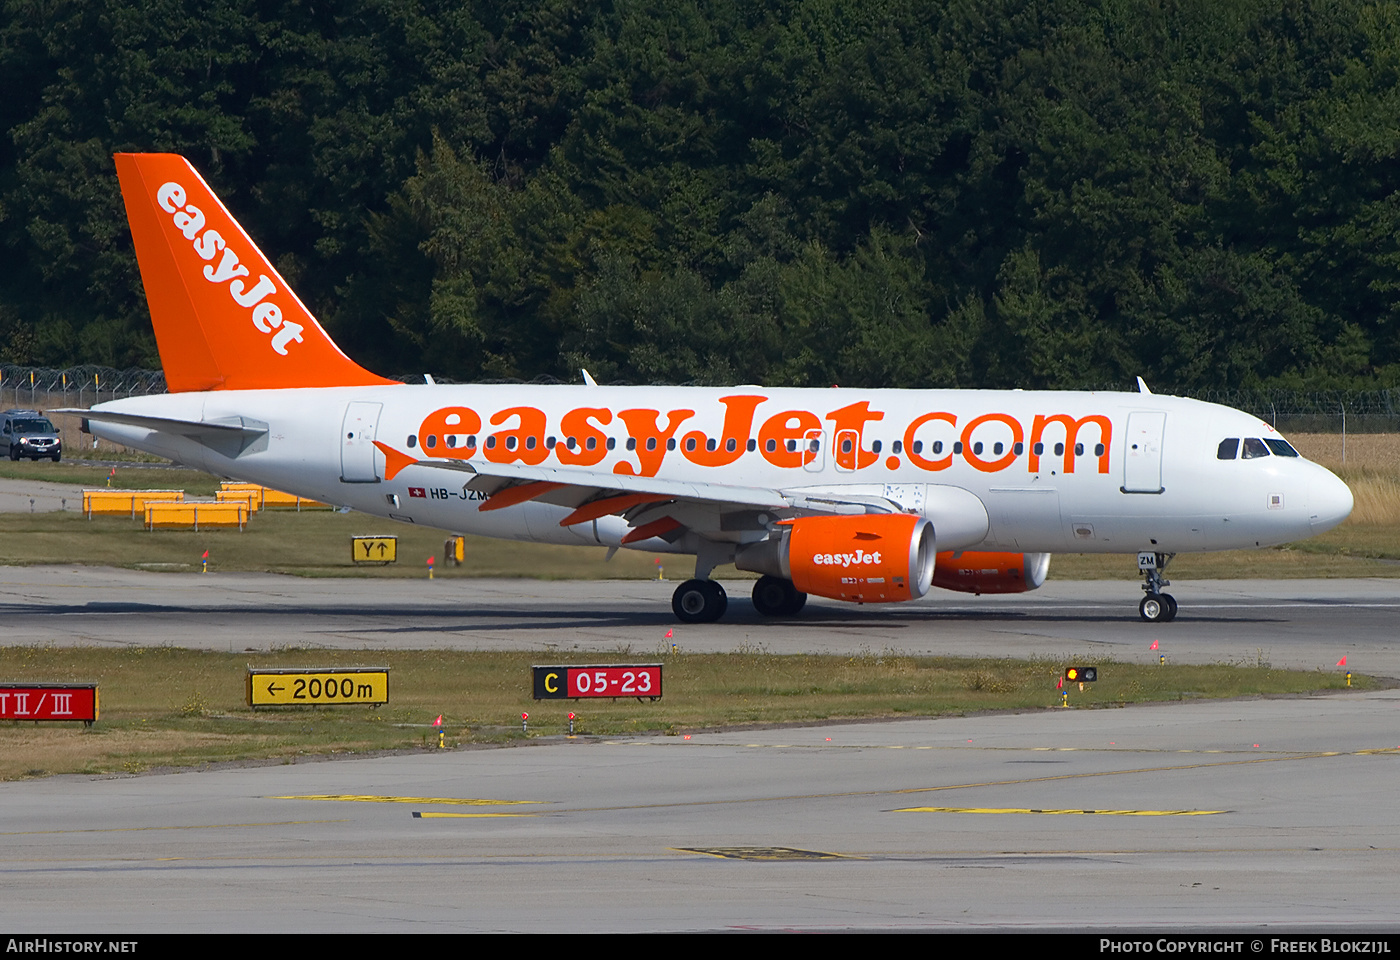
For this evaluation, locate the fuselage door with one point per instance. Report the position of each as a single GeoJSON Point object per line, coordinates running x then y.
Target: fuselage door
{"type": "Point", "coordinates": [1142, 452]}
{"type": "Point", "coordinates": [357, 451]}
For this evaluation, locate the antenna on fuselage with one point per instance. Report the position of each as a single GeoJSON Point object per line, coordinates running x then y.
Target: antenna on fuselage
{"type": "Point", "coordinates": [1142, 386]}
{"type": "Point", "coordinates": [588, 380]}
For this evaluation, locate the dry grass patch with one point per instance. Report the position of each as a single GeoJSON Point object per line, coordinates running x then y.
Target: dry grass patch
{"type": "Point", "coordinates": [1364, 451]}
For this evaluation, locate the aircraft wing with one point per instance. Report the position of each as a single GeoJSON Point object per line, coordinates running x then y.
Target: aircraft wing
{"type": "Point", "coordinates": [652, 505]}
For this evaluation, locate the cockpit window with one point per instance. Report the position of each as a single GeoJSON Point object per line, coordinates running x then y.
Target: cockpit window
{"type": "Point", "coordinates": [1254, 448]}
{"type": "Point", "coordinates": [1229, 449]}
{"type": "Point", "coordinates": [1281, 448]}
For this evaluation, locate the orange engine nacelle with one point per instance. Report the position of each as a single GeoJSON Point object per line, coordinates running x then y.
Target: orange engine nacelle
{"type": "Point", "coordinates": [872, 558]}
{"type": "Point", "coordinates": [973, 572]}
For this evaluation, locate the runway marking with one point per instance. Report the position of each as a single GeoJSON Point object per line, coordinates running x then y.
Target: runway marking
{"type": "Point", "coordinates": [1098, 813]}
{"type": "Point", "coordinates": [430, 815]}
{"type": "Point", "coordinates": [764, 853]}
{"type": "Point", "coordinates": [1282, 755]}
{"type": "Point", "coordinates": [196, 826]}
{"type": "Point", "coordinates": [961, 786]}
{"type": "Point", "coordinates": [12, 865]}
{"type": "Point", "coordinates": [370, 798]}
{"type": "Point", "coordinates": [1116, 773]}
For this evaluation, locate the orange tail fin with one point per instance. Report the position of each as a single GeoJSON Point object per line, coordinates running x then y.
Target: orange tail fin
{"type": "Point", "coordinates": [224, 318]}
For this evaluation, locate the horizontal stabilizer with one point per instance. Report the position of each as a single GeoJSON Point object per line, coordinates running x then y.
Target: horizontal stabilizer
{"type": "Point", "coordinates": [229, 436]}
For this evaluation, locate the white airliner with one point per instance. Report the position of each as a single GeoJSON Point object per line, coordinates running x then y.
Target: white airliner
{"type": "Point", "coordinates": [860, 495]}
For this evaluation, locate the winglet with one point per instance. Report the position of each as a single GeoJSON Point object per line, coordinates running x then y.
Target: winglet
{"type": "Point", "coordinates": [394, 461]}
{"type": "Point", "coordinates": [224, 318]}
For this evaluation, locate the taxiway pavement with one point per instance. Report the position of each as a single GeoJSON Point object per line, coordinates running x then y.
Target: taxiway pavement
{"type": "Point", "coordinates": [1300, 624]}
{"type": "Point", "coordinates": [1255, 815]}
{"type": "Point", "coordinates": [1234, 816]}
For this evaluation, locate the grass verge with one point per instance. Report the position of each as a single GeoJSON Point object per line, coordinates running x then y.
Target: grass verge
{"type": "Point", "coordinates": [311, 543]}
{"type": "Point", "coordinates": [195, 483]}
{"type": "Point", "coordinates": [164, 707]}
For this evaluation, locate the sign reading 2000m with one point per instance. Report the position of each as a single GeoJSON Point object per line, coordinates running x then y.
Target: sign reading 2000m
{"type": "Point", "coordinates": [323, 687]}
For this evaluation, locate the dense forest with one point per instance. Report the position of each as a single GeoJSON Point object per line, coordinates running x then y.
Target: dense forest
{"type": "Point", "coordinates": [918, 193]}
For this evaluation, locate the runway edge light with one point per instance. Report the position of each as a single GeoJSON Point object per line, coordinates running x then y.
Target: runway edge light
{"type": "Point", "coordinates": [1081, 674]}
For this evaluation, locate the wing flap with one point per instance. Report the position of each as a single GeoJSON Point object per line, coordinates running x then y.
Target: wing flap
{"type": "Point", "coordinates": [591, 494]}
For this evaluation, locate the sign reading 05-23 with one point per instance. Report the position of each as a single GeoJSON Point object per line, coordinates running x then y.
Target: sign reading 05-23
{"type": "Point", "coordinates": [598, 680]}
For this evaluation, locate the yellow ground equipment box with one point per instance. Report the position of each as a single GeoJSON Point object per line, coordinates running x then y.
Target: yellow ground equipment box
{"type": "Point", "coordinates": [125, 503]}
{"type": "Point", "coordinates": [196, 515]}
{"type": "Point", "coordinates": [269, 498]}
{"type": "Point", "coordinates": [454, 550]}
{"type": "Point", "coordinates": [252, 498]}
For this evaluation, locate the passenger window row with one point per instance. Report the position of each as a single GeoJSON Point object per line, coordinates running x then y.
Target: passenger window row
{"type": "Point", "coordinates": [771, 446]}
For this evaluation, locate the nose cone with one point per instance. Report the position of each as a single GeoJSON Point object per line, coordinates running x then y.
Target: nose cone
{"type": "Point", "coordinates": [1329, 501]}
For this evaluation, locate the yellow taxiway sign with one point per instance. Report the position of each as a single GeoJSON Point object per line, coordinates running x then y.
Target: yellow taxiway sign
{"type": "Point", "coordinates": [307, 687]}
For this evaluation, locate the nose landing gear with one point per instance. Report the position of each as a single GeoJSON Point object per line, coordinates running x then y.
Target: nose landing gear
{"type": "Point", "coordinates": [1156, 607]}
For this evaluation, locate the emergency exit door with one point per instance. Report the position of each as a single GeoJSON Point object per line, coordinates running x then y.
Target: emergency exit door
{"type": "Point", "coordinates": [357, 450]}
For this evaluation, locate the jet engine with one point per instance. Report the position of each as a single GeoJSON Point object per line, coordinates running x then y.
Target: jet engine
{"type": "Point", "coordinates": [871, 558]}
{"type": "Point", "coordinates": [981, 572]}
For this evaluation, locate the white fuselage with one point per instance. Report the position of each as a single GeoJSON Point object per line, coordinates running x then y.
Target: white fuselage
{"type": "Point", "coordinates": [1146, 476]}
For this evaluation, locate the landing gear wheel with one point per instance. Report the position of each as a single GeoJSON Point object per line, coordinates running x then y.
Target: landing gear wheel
{"type": "Point", "coordinates": [775, 597]}
{"type": "Point", "coordinates": [1154, 608]}
{"type": "Point", "coordinates": [799, 600]}
{"type": "Point", "coordinates": [1170, 613]}
{"type": "Point", "coordinates": [699, 601]}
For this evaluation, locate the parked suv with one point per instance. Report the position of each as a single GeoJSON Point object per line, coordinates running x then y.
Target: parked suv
{"type": "Point", "coordinates": [30, 434]}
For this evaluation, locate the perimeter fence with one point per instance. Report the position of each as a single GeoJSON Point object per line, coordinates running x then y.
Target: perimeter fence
{"type": "Point", "coordinates": [1320, 411]}
{"type": "Point", "coordinates": [1290, 411]}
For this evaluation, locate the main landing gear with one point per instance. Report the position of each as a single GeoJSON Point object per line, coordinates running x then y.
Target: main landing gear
{"type": "Point", "coordinates": [1156, 607]}
{"type": "Point", "coordinates": [699, 601]}
{"type": "Point", "coordinates": [775, 597]}
{"type": "Point", "coordinates": [704, 601]}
